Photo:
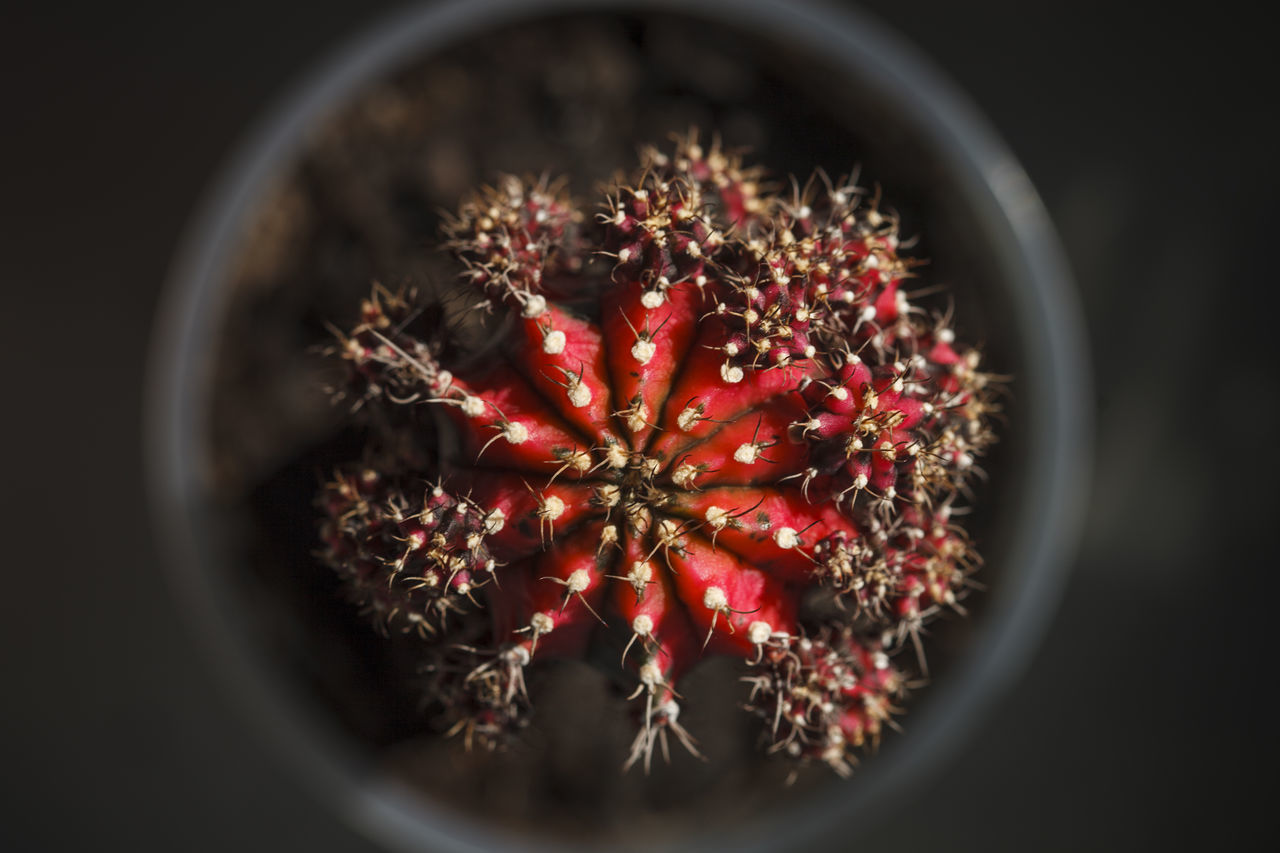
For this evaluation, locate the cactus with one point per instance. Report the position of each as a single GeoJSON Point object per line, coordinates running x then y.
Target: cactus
{"type": "Point", "coordinates": [714, 423]}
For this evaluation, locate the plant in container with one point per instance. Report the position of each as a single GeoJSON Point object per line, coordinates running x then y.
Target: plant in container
{"type": "Point", "coordinates": [714, 412]}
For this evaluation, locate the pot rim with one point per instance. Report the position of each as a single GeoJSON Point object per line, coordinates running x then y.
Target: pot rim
{"type": "Point", "coordinates": [1059, 410]}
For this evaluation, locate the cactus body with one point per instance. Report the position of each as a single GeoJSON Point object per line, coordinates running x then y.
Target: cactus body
{"type": "Point", "coordinates": [717, 425]}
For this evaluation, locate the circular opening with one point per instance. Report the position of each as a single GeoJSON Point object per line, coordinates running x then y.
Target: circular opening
{"type": "Point", "coordinates": [345, 187]}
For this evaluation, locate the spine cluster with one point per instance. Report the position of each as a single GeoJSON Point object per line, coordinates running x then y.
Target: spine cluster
{"type": "Point", "coordinates": [407, 564]}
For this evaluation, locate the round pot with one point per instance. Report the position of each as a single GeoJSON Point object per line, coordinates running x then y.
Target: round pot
{"type": "Point", "coordinates": [238, 428]}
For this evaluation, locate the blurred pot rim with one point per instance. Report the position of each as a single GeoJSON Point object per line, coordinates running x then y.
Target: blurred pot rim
{"type": "Point", "coordinates": [1059, 406]}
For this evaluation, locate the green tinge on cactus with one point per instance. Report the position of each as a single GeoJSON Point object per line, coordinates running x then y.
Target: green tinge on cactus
{"type": "Point", "coordinates": [713, 407]}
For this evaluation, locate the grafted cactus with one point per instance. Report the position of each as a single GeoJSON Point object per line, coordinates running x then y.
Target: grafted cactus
{"type": "Point", "coordinates": [714, 423]}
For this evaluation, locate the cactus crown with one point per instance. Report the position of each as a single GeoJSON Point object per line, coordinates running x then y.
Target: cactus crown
{"type": "Point", "coordinates": [715, 412]}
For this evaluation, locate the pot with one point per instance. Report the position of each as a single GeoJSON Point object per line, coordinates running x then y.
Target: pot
{"type": "Point", "coordinates": [236, 437]}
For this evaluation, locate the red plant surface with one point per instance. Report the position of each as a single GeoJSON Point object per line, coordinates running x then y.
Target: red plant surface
{"type": "Point", "coordinates": [713, 413]}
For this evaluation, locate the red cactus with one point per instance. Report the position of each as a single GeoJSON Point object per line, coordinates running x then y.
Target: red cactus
{"type": "Point", "coordinates": [686, 447]}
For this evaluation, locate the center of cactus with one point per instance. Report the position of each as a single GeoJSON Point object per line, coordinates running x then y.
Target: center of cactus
{"type": "Point", "coordinates": [714, 413]}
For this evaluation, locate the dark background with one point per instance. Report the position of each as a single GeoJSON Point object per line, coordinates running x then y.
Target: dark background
{"type": "Point", "coordinates": [1142, 723]}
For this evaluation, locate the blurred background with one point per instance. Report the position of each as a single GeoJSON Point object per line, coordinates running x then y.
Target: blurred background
{"type": "Point", "coordinates": [1141, 723]}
